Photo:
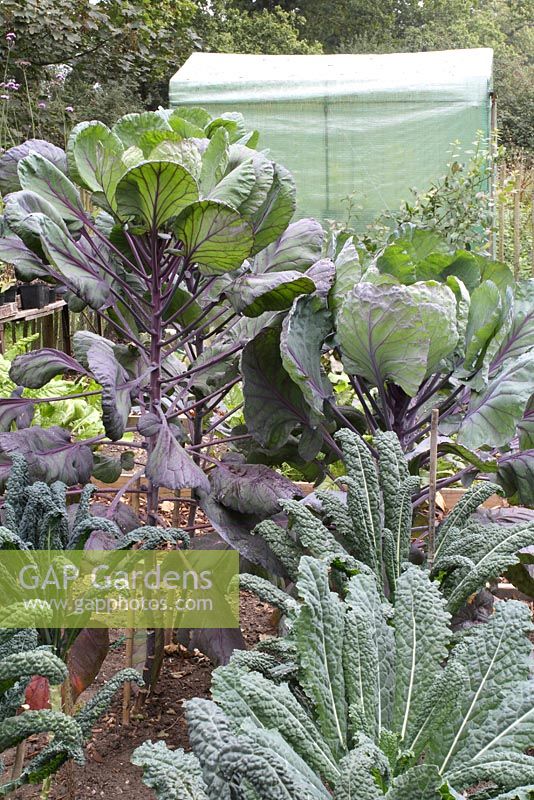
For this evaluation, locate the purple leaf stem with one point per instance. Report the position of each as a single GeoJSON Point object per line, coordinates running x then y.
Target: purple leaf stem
{"type": "Point", "coordinates": [192, 329]}
{"type": "Point", "coordinates": [222, 390]}
{"type": "Point", "coordinates": [421, 496]}
{"type": "Point", "coordinates": [140, 271]}
{"type": "Point", "coordinates": [225, 324]}
{"type": "Point", "coordinates": [37, 400]}
{"type": "Point", "coordinates": [190, 302]}
{"type": "Point", "coordinates": [89, 223]}
{"type": "Point", "coordinates": [126, 332]}
{"type": "Point", "coordinates": [216, 442]}
{"type": "Point", "coordinates": [116, 500]}
{"type": "Point", "coordinates": [131, 296]}
{"type": "Point", "coordinates": [222, 419]}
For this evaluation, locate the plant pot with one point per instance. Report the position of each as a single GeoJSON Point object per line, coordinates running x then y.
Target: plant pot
{"type": "Point", "coordinates": [9, 296]}
{"type": "Point", "coordinates": [33, 295]}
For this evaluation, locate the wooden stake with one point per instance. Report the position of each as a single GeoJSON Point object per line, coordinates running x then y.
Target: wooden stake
{"type": "Point", "coordinates": [501, 214]}
{"type": "Point", "coordinates": [20, 755]}
{"type": "Point", "coordinates": [135, 496]}
{"type": "Point", "coordinates": [432, 481]}
{"type": "Point", "coordinates": [176, 510]}
{"type": "Point", "coordinates": [127, 692]}
{"type": "Point", "coordinates": [517, 219]}
{"type": "Point", "coordinates": [68, 708]}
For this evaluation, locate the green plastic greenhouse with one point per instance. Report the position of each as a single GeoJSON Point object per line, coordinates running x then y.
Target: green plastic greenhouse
{"type": "Point", "coordinates": [368, 127]}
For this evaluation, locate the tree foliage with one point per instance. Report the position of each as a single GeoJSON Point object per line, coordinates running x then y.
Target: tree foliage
{"type": "Point", "coordinates": [132, 48]}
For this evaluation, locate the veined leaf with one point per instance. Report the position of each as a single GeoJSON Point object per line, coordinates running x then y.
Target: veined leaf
{"type": "Point", "coordinates": [491, 555]}
{"type": "Point", "coordinates": [184, 152]}
{"type": "Point", "coordinates": [24, 212]}
{"type": "Point", "coordinates": [195, 114]}
{"type": "Point", "coordinates": [382, 336]}
{"type": "Point", "coordinates": [94, 156]}
{"type": "Point", "coordinates": [150, 140]}
{"type": "Point", "coordinates": [251, 488]}
{"type": "Point", "coordinates": [519, 338]}
{"type": "Point", "coordinates": [363, 499]}
{"type": "Point", "coordinates": [274, 404]}
{"type": "Point", "coordinates": [116, 400]}
{"type": "Point", "coordinates": [366, 623]}
{"type": "Point", "coordinates": [248, 695]}
{"type": "Point", "coordinates": [509, 727]}
{"type": "Point", "coordinates": [232, 121]}
{"type": "Point", "coordinates": [170, 773]}
{"type": "Point", "coordinates": [437, 306]}
{"type": "Point", "coordinates": [493, 414]}
{"type": "Point", "coordinates": [39, 175]}
{"type": "Point", "coordinates": [214, 236]}
{"type": "Point", "coordinates": [255, 294]}
{"type": "Point", "coordinates": [485, 314]}
{"type": "Point", "coordinates": [74, 265]}
{"type": "Point", "coordinates": [234, 188]}
{"type": "Point", "coordinates": [421, 781]}
{"type": "Point", "coordinates": [9, 160]}
{"type": "Point", "coordinates": [361, 770]}
{"type": "Point", "coordinates": [155, 191]}
{"type": "Point", "coordinates": [421, 636]}
{"type": "Point", "coordinates": [304, 330]}
{"type": "Point", "coordinates": [186, 128]}
{"type": "Point", "coordinates": [348, 274]}
{"type": "Point", "coordinates": [214, 161]}
{"type": "Point", "coordinates": [273, 216]}
{"type": "Point", "coordinates": [169, 465]}
{"type": "Point", "coordinates": [50, 453]}
{"type": "Point", "coordinates": [264, 174]}
{"type": "Point", "coordinates": [298, 248]}
{"type": "Point", "coordinates": [494, 655]}
{"type": "Point", "coordinates": [27, 265]}
{"type": "Point", "coordinates": [515, 473]}
{"type": "Point", "coordinates": [323, 274]}
{"type": "Point", "coordinates": [318, 630]}
{"type": "Point", "coordinates": [131, 127]}
{"type": "Point", "coordinates": [35, 369]}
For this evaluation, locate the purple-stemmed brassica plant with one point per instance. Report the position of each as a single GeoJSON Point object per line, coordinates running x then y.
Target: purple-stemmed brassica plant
{"type": "Point", "coordinates": [178, 234]}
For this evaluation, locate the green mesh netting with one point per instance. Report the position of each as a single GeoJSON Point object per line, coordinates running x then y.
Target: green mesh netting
{"type": "Point", "coordinates": [370, 126]}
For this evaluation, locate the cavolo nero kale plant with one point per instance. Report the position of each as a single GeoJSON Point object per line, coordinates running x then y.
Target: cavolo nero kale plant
{"type": "Point", "coordinates": [369, 528]}
{"type": "Point", "coordinates": [21, 659]}
{"type": "Point", "coordinates": [36, 516]}
{"type": "Point", "coordinates": [383, 701]}
{"type": "Point", "coordinates": [176, 232]}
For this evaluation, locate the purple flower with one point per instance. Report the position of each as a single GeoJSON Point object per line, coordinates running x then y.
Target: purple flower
{"type": "Point", "coordinates": [22, 63]}
{"type": "Point", "coordinates": [4, 97]}
{"type": "Point", "coordinates": [42, 104]}
{"type": "Point", "coordinates": [69, 109]}
{"type": "Point", "coordinates": [13, 85]}
{"type": "Point", "coordinates": [10, 38]}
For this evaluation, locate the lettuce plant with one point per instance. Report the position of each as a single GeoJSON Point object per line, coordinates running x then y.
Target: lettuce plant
{"type": "Point", "coordinates": [370, 528]}
{"type": "Point", "coordinates": [20, 660]}
{"type": "Point", "coordinates": [384, 703]}
{"type": "Point", "coordinates": [186, 252]}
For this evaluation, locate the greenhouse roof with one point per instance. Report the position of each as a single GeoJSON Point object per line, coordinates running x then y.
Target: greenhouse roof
{"type": "Point", "coordinates": [451, 75]}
